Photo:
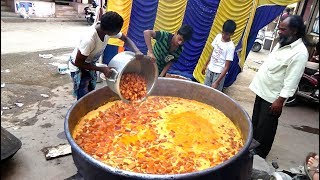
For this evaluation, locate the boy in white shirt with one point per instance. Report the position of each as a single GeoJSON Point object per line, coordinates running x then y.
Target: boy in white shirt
{"type": "Point", "coordinates": [82, 62]}
{"type": "Point", "coordinates": [221, 57]}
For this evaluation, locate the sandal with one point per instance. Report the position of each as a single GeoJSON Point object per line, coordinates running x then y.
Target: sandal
{"type": "Point", "coordinates": [311, 170]}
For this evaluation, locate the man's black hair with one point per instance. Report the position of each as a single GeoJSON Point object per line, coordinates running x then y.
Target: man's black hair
{"type": "Point", "coordinates": [111, 21]}
{"type": "Point", "coordinates": [186, 32]}
{"type": "Point", "coordinates": [288, 10]}
{"type": "Point", "coordinates": [296, 22]}
{"type": "Point", "coordinates": [94, 4]}
{"type": "Point", "coordinates": [229, 26]}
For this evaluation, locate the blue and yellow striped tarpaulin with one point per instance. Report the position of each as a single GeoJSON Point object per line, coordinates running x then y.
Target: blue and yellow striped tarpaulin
{"type": "Point", "coordinates": [206, 17]}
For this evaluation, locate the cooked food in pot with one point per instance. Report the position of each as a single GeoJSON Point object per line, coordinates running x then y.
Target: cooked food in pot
{"type": "Point", "coordinates": [162, 135]}
{"type": "Point", "coordinates": [133, 86]}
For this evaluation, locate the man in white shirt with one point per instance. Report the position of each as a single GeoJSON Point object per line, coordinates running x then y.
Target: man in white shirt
{"type": "Point", "coordinates": [91, 46]}
{"type": "Point", "coordinates": [277, 79]}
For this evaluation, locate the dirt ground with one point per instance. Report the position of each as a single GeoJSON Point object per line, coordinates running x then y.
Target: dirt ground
{"type": "Point", "coordinates": [39, 122]}
{"type": "Point", "coordinates": [38, 36]}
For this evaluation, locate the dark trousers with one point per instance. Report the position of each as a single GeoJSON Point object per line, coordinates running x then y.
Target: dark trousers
{"type": "Point", "coordinates": [310, 71]}
{"type": "Point", "coordinates": [264, 126]}
{"type": "Point", "coordinates": [85, 86]}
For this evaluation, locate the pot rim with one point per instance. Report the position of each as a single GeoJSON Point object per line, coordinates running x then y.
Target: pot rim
{"type": "Point", "coordinates": [116, 171]}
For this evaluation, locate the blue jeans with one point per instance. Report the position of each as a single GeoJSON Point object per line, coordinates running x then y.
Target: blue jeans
{"type": "Point", "coordinates": [211, 77]}
{"type": "Point", "coordinates": [85, 85]}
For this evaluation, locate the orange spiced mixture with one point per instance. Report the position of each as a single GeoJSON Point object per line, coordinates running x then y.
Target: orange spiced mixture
{"type": "Point", "coordinates": [162, 135]}
{"type": "Point", "coordinates": [133, 86]}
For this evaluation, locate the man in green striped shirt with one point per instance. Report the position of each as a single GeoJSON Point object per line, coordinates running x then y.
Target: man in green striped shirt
{"type": "Point", "coordinates": [167, 48]}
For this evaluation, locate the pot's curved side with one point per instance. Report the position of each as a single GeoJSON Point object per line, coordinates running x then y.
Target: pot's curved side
{"type": "Point", "coordinates": [238, 167]}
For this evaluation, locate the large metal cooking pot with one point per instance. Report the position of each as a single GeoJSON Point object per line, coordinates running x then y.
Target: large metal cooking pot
{"type": "Point", "coordinates": [236, 168]}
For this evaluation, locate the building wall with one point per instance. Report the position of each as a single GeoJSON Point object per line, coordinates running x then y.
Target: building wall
{"type": "Point", "coordinates": [36, 8]}
{"type": "Point", "coordinates": [79, 7]}
{"type": "Point", "coordinates": [307, 10]}
{"type": "Point", "coordinates": [10, 4]}
{"type": "Point", "coordinates": [314, 14]}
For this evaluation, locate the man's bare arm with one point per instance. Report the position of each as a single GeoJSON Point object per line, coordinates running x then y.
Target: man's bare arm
{"type": "Point", "coordinates": [80, 62]}
{"type": "Point", "coordinates": [207, 62]}
{"type": "Point", "coordinates": [130, 43]}
{"type": "Point", "coordinates": [165, 69]}
{"type": "Point", "coordinates": [148, 34]}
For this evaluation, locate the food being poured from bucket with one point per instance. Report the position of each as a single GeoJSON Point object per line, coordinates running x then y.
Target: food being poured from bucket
{"type": "Point", "coordinates": [133, 86]}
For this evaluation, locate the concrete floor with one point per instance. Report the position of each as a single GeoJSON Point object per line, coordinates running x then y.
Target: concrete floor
{"type": "Point", "coordinates": [39, 123]}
